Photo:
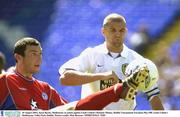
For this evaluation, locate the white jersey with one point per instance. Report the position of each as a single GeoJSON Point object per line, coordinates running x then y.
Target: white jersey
{"type": "Point", "coordinates": [99, 59]}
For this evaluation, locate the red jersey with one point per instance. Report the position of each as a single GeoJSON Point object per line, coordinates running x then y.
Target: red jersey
{"type": "Point", "coordinates": [21, 93]}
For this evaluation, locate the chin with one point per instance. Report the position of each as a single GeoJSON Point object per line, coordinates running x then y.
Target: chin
{"type": "Point", "coordinates": [118, 45]}
{"type": "Point", "coordinates": [36, 70]}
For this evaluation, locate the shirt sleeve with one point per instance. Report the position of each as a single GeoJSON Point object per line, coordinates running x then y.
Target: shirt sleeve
{"type": "Point", "coordinates": [3, 91]}
{"type": "Point", "coordinates": [154, 91]}
{"type": "Point", "coordinates": [56, 99]}
{"type": "Point", "coordinates": [81, 63]}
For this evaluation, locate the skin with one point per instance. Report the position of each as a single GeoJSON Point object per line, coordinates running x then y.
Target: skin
{"type": "Point", "coordinates": [30, 63]}
{"type": "Point", "coordinates": [114, 34]}
{"type": "Point", "coordinates": [156, 103]}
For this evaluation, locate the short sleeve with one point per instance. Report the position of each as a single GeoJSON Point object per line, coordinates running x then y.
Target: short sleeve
{"type": "Point", "coordinates": [154, 91]}
{"type": "Point", "coordinates": [56, 99]}
{"type": "Point", "coordinates": [3, 90]}
{"type": "Point", "coordinates": [81, 63]}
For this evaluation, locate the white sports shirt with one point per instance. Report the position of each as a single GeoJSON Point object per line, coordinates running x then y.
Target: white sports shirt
{"type": "Point", "coordinates": [99, 59]}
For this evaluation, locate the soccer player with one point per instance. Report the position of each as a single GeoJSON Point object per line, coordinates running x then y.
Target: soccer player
{"type": "Point", "coordinates": [20, 90]}
{"type": "Point", "coordinates": [112, 55]}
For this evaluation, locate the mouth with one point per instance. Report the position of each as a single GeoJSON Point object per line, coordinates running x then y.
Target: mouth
{"type": "Point", "coordinates": [118, 38]}
{"type": "Point", "coordinates": [37, 66]}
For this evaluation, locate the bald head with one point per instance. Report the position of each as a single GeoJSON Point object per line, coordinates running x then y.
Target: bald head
{"type": "Point", "coordinates": [114, 17]}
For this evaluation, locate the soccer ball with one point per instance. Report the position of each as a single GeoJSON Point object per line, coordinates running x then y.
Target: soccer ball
{"type": "Point", "coordinates": [153, 73]}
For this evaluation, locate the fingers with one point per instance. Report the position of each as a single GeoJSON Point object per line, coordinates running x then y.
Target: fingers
{"type": "Point", "coordinates": [113, 81]}
{"type": "Point", "coordinates": [115, 78]}
{"type": "Point", "coordinates": [111, 77]}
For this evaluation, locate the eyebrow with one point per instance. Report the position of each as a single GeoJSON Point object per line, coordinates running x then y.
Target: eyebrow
{"type": "Point", "coordinates": [35, 51]}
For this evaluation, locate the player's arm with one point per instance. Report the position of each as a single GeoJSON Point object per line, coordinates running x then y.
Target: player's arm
{"type": "Point", "coordinates": [98, 100]}
{"type": "Point", "coordinates": [3, 93]}
{"type": "Point", "coordinates": [154, 98]}
{"type": "Point", "coordinates": [156, 103]}
{"type": "Point", "coordinates": [72, 77]}
{"type": "Point", "coordinates": [74, 72]}
{"type": "Point", "coordinates": [55, 98]}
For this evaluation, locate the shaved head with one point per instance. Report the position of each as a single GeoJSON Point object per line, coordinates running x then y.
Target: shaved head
{"type": "Point", "coordinates": [113, 17]}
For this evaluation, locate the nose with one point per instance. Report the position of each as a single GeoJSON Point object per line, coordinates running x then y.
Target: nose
{"type": "Point", "coordinates": [39, 58]}
{"type": "Point", "coordinates": [118, 35]}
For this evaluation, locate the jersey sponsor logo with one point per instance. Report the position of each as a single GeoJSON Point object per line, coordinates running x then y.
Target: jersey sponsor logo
{"type": "Point", "coordinates": [105, 84]}
{"type": "Point", "coordinates": [123, 67]}
{"type": "Point", "coordinates": [33, 105]}
{"type": "Point", "coordinates": [44, 96]}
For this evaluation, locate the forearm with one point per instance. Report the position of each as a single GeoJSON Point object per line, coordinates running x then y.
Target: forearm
{"type": "Point", "coordinates": [156, 103]}
{"type": "Point", "coordinates": [71, 77]}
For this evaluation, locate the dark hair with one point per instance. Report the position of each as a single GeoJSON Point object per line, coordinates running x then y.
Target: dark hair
{"type": "Point", "coordinates": [21, 44]}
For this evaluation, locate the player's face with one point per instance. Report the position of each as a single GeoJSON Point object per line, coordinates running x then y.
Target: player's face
{"type": "Point", "coordinates": [114, 34]}
{"type": "Point", "coordinates": [32, 59]}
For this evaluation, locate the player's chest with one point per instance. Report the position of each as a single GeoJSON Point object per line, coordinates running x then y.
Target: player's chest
{"type": "Point", "coordinates": [105, 63]}
{"type": "Point", "coordinates": [29, 96]}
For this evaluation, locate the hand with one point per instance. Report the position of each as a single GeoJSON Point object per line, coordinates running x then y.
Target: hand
{"type": "Point", "coordinates": [111, 75]}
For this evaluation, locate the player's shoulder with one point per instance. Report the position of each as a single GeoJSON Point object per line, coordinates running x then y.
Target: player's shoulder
{"type": "Point", "coordinates": [6, 75]}
{"type": "Point", "coordinates": [133, 54]}
{"type": "Point", "coordinates": [44, 84]}
{"type": "Point", "coordinates": [41, 82]}
{"type": "Point", "coordinates": [93, 50]}
{"type": "Point", "coordinates": [99, 49]}
{"type": "Point", "coordinates": [2, 76]}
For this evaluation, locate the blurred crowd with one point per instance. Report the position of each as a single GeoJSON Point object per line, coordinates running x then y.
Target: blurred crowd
{"type": "Point", "coordinates": [169, 71]}
{"type": "Point", "coordinates": [168, 63]}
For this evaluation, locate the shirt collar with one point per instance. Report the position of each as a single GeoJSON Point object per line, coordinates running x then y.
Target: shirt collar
{"type": "Point", "coordinates": [124, 52]}
{"type": "Point", "coordinates": [23, 77]}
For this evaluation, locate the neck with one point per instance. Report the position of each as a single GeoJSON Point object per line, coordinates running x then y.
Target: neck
{"type": "Point", "coordinates": [22, 71]}
{"type": "Point", "coordinates": [115, 49]}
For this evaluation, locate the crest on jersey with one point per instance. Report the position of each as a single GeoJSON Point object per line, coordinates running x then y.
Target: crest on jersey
{"type": "Point", "coordinates": [44, 96]}
{"type": "Point", "coordinates": [123, 68]}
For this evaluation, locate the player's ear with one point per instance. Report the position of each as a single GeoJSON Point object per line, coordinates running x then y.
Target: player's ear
{"type": "Point", "coordinates": [17, 57]}
{"type": "Point", "coordinates": [102, 31]}
{"type": "Point", "coordinates": [126, 30]}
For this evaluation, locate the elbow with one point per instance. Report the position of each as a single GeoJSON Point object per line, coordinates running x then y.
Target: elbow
{"type": "Point", "coordinates": [62, 81]}
{"type": "Point", "coordinates": [65, 79]}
